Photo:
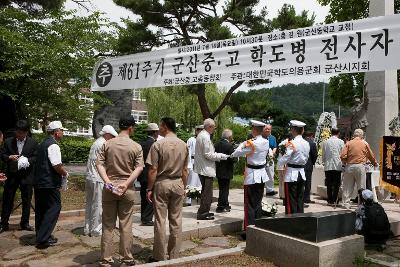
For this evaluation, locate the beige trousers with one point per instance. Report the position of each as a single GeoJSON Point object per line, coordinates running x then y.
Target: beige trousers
{"type": "Point", "coordinates": [353, 174]}
{"type": "Point", "coordinates": [168, 198]}
{"type": "Point", "coordinates": [122, 207]}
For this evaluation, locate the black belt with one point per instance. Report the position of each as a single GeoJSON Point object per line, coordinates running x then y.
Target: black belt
{"type": "Point", "coordinates": [256, 167]}
{"type": "Point", "coordinates": [295, 166]}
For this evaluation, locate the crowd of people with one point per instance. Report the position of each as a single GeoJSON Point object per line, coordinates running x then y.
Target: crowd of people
{"type": "Point", "coordinates": [164, 166]}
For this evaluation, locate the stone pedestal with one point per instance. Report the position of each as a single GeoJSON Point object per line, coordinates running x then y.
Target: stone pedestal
{"type": "Point", "coordinates": [318, 178]}
{"type": "Point", "coordinates": [286, 251]}
{"type": "Point", "coordinates": [382, 89]}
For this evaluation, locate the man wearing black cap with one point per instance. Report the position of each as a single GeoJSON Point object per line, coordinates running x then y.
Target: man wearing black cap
{"type": "Point", "coordinates": [295, 158]}
{"type": "Point", "coordinates": [119, 163]}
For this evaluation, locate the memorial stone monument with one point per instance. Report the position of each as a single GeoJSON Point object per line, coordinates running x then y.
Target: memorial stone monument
{"type": "Point", "coordinates": [121, 104]}
{"type": "Point", "coordinates": [382, 89]}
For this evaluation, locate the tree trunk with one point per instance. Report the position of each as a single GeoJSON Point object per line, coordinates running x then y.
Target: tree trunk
{"type": "Point", "coordinates": [226, 99]}
{"type": "Point", "coordinates": [201, 96]}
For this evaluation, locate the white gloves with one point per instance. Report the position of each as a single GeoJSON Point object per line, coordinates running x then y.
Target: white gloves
{"type": "Point", "coordinates": [224, 156]}
{"type": "Point", "coordinates": [23, 163]}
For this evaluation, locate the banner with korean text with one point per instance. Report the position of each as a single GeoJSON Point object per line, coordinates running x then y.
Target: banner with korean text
{"type": "Point", "coordinates": [365, 45]}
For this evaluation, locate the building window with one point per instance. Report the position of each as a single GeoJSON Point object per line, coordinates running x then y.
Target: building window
{"type": "Point", "coordinates": [136, 95]}
{"type": "Point", "coordinates": [140, 116]}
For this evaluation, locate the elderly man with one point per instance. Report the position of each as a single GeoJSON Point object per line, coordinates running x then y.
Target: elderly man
{"type": "Point", "coordinates": [94, 184]}
{"type": "Point", "coordinates": [49, 173]}
{"type": "Point", "coordinates": [146, 208]}
{"type": "Point", "coordinates": [256, 151]}
{"type": "Point", "coordinates": [166, 189]}
{"type": "Point", "coordinates": [354, 155]}
{"type": "Point", "coordinates": [224, 170]}
{"type": "Point", "coordinates": [204, 165]}
{"type": "Point", "coordinates": [119, 163]}
{"type": "Point", "coordinates": [270, 166]}
{"type": "Point", "coordinates": [295, 158]}
{"type": "Point", "coordinates": [193, 178]}
{"type": "Point", "coordinates": [17, 150]}
{"type": "Point", "coordinates": [331, 149]}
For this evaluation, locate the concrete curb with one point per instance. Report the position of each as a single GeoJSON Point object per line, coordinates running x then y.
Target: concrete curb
{"type": "Point", "coordinates": [230, 251]}
{"type": "Point", "coordinates": [63, 214]}
{"type": "Point", "coordinates": [380, 263]}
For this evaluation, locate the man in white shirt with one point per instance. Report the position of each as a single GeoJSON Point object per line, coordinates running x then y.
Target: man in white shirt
{"type": "Point", "coordinates": [295, 158]}
{"type": "Point", "coordinates": [49, 173]}
{"type": "Point", "coordinates": [256, 151]}
{"type": "Point", "coordinates": [94, 184]}
{"type": "Point", "coordinates": [204, 165]}
{"type": "Point", "coordinates": [331, 149]}
{"type": "Point", "coordinates": [193, 178]}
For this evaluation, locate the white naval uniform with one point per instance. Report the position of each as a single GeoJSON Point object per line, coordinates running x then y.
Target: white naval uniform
{"type": "Point", "coordinates": [94, 188]}
{"type": "Point", "coordinates": [297, 153]}
{"type": "Point", "coordinates": [256, 151]}
{"type": "Point", "coordinates": [257, 158]}
{"type": "Point", "coordinates": [193, 178]}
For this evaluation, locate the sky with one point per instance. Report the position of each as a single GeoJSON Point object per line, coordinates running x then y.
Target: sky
{"type": "Point", "coordinates": [114, 13]}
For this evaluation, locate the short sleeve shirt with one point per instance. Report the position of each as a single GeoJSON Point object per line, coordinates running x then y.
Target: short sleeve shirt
{"type": "Point", "coordinates": [54, 154]}
{"type": "Point", "coordinates": [120, 156]}
{"type": "Point", "coordinates": [169, 156]}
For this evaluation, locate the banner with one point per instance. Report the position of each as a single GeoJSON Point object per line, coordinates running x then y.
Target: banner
{"type": "Point", "coordinates": [390, 163]}
{"type": "Point", "coordinates": [371, 44]}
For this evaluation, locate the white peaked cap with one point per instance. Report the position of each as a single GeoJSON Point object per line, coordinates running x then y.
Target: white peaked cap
{"type": "Point", "coordinates": [296, 123]}
{"type": "Point", "coordinates": [257, 123]}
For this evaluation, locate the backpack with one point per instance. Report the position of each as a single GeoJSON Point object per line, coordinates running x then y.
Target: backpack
{"type": "Point", "coordinates": [376, 226]}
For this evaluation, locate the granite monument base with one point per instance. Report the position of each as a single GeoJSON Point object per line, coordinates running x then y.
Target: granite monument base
{"type": "Point", "coordinates": [286, 251]}
{"type": "Point", "coordinates": [314, 227]}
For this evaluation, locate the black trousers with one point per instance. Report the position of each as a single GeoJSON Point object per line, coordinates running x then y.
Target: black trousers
{"type": "Point", "coordinates": [223, 186]}
{"type": "Point", "coordinates": [294, 195]}
{"type": "Point", "coordinates": [253, 203]}
{"type": "Point", "coordinates": [206, 195]}
{"type": "Point", "coordinates": [146, 208]}
{"type": "Point", "coordinates": [307, 186]}
{"type": "Point", "coordinates": [10, 188]}
{"type": "Point", "coordinates": [333, 180]}
{"type": "Point", "coordinates": [48, 207]}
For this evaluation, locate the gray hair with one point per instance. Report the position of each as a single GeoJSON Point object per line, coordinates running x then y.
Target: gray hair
{"type": "Point", "coordinates": [208, 122]}
{"type": "Point", "coordinates": [358, 133]}
{"type": "Point", "coordinates": [227, 133]}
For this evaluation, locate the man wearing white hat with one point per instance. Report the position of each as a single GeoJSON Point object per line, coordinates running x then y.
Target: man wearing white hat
{"type": "Point", "coordinates": [295, 158]}
{"type": "Point", "coordinates": [256, 151]}
{"type": "Point", "coordinates": [49, 173]}
{"type": "Point", "coordinates": [146, 208]}
{"type": "Point", "coordinates": [94, 184]}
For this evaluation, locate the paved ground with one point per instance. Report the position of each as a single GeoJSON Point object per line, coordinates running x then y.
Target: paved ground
{"type": "Point", "coordinates": [74, 249]}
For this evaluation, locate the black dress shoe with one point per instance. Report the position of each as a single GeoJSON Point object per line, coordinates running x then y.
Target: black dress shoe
{"type": "Point", "coordinates": [220, 210]}
{"type": "Point", "coordinates": [272, 193]}
{"type": "Point", "coordinates": [210, 214]}
{"type": "Point", "coordinates": [151, 259]}
{"type": "Point", "coordinates": [44, 245]}
{"type": "Point", "coordinates": [26, 227]}
{"type": "Point", "coordinates": [3, 228]}
{"type": "Point", "coordinates": [150, 223]}
{"type": "Point", "coordinates": [205, 218]}
{"type": "Point", "coordinates": [53, 240]}
{"type": "Point", "coordinates": [309, 201]}
{"type": "Point", "coordinates": [306, 205]}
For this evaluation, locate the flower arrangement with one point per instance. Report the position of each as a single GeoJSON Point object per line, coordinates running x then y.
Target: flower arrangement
{"type": "Point", "coordinates": [269, 209]}
{"type": "Point", "coordinates": [193, 192]}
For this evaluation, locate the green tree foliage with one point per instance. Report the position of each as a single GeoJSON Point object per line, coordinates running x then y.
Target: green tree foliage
{"type": "Point", "coordinates": [46, 59]}
{"type": "Point", "coordinates": [343, 88]}
{"type": "Point", "coordinates": [177, 102]}
{"type": "Point", "coordinates": [180, 22]}
{"type": "Point", "coordinates": [287, 19]}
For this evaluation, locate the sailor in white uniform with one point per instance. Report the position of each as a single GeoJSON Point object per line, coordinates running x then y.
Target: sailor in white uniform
{"type": "Point", "coordinates": [255, 176]}
{"type": "Point", "coordinates": [295, 158]}
{"type": "Point", "coordinates": [193, 178]}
